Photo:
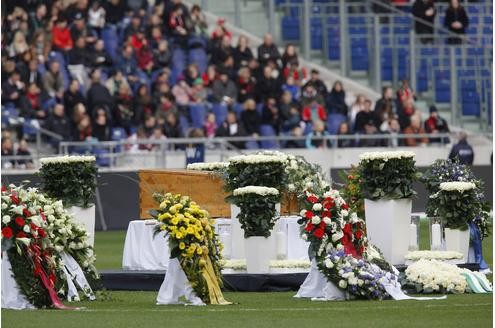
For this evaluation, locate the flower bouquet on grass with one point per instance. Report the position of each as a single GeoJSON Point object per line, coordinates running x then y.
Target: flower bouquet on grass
{"type": "Point", "coordinates": [35, 232]}
{"type": "Point", "coordinates": [192, 240]}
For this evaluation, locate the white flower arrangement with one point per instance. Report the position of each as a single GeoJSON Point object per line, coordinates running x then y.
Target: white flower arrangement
{"type": "Point", "coordinates": [433, 255]}
{"type": "Point", "coordinates": [66, 159]}
{"type": "Point", "coordinates": [257, 159]}
{"type": "Point", "coordinates": [258, 190]}
{"type": "Point", "coordinates": [434, 275]}
{"type": "Point", "coordinates": [212, 166]}
{"type": "Point", "coordinates": [385, 155]}
{"type": "Point", "coordinates": [457, 186]}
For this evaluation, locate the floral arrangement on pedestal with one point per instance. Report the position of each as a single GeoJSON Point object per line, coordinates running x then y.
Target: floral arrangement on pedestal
{"type": "Point", "coordinates": [258, 213]}
{"type": "Point", "coordinates": [71, 179]}
{"type": "Point", "coordinates": [433, 255]}
{"type": "Point", "coordinates": [457, 204]}
{"type": "Point", "coordinates": [256, 170]}
{"type": "Point", "coordinates": [451, 171]}
{"type": "Point", "coordinates": [36, 230]}
{"type": "Point", "coordinates": [388, 174]}
{"type": "Point", "coordinates": [192, 240]}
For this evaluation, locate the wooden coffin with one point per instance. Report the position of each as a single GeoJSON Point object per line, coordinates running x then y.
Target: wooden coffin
{"type": "Point", "coordinates": [204, 188]}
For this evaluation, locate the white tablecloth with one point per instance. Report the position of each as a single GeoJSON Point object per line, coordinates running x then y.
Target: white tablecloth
{"type": "Point", "coordinates": [143, 252]}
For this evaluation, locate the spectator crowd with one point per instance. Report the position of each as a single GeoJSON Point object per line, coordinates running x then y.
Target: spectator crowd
{"type": "Point", "coordinates": [86, 70]}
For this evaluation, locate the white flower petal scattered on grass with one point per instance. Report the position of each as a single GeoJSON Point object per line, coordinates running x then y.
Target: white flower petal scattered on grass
{"type": "Point", "coordinates": [258, 190]}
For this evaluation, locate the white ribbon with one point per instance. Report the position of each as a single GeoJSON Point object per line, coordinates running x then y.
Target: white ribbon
{"type": "Point", "coordinates": [76, 274]}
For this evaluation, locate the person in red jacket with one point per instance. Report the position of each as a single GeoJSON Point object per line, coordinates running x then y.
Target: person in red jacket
{"type": "Point", "coordinates": [61, 37]}
{"type": "Point", "coordinates": [314, 111]}
{"type": "Point", "coordinates": [293, 70]}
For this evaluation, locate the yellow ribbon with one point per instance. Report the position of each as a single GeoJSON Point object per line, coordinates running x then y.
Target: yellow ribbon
{"type": "Point", "coordinates": [214, 291]}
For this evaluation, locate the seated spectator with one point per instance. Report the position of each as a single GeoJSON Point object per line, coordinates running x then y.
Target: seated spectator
{"type": "Point", "coordinates": [177, 25]}
{"type": "Point", "coordinates": [53, 82]}
{"type": "Point", "coordinates": [101, 127]}
{"type": "Point", "coordinates": [289, 56]}
{"type": "Point", "coordinates": [99, 57]}
{"type": "Point", "coordinates": [246, 85]}
{"type": "Point", "coordinates": [336, 100]}
{"type": "Point", "coordinates": [115, 12]}
{"type": "Point", "coordinates": [182, 93]}
{"type": "Point", "coordinates": [134, 26]}
{"type": "Point", "coordinates": [297, 132]}
{"type": "Point", "coordinates": [61, 36]}
{"type": "Point", "coordinates": [198, 22]}
{"type": "Point", "coordinates": [83, 131]}
{"type": "Point", "coordinates": [23, 150]}
{"type": "Point", "coordinates": [144, 58]}
{"type": "Point", "coordinates": [405, 93]}
{"type": "Point", "coordinates": [7, 150]}
{"type": "Point", "coordinates": [156, 36]}
{"type": "Point", "coordinates": [198, 92]}
{"type": "Point", "coordinates": [314, 112]}
{"type": "Point", "coordinates": [78, 114]}
{"type": "Point", "coordinates": [41, 46]}
{"type": "Point", "coordinates": [242, 53]}
{"type": "Point", "coordinates": [392, 128]}
{"type": "Point", "coordinates": [190, 74]}
{"type": "Point", "coordinates": [387, 98]}
{"type": "Point", "coordinates": [162, 55]}
{"type": "Point", "coordinates": [309, 94]}
{"type": "Point", "coordinates": [165, 105]}
{"type": "Point", "coordinates": [364, 117]}
{"type": "Point", "coordinates": [232, 128]}
{"type": "Point", "coordinates": [271, 115]}
{"type": "Point", "coordinates": [222, 50]}
{"type": "Point", "coordinates": [462, 151]}
{"type": "Point", "coordinates": [38, 20]}
{"type": "Point", "coordinates": [79, 29]}
{"type": "Point", "coordinates": [297, 73]}
{"type": "Point", "coordinates": [224, 90]}
{"type": "Point", "coordinates": [317, 84]}
{"type": "Point", "coordinates": [96, 17]}
{"type": "Point", "coordinates": [293, 119]}
{"type": "Point", "coordinates": [73, 96]}
{"type": "Point", "coordinates": [405, 112]}
{"type": "Point", "coordinates": [315, 138]}
{"type": "Point", "coordinates": [369, 129]}
{"type": "Point", "coordinates": [268, 51]}
{"type": "Point", "coordinates": [344, 130]}
{"type": "Point", "coordinates": [267, 86]}
{"type": "Point", "coordinates": [18, 45]}
{"type": "Point", "coordinates": [124, 115]}
{"type": "Point", "coordinates": [31, 74]}
{"type": "Point", "coordinates": [210, 125]}
{"type": "Point", "coordinates": [355, 109]}
{"type": "Point", "coordinates": [33, 102]}
{"type": "Point", "coordinates": [12, 89]}
{"type": "Point", "coordinates": [143, 103]}
{"type": "Point", "coordinates": [98, 94]}
{"type": "Point", "coordinates": [128, 65]}
{"type": "Point", "coordinates": [149, 124]}
{"type": "Point", "coordinates": [285, 103]}
{"type": "Point", "coordinates": [250, 118]}
{"type": "Point", "coordinates": [195, 152]}
{"type": "Point", "coordinates": [58, 123]}
{"type": "Point", "coordinates": [291, 87]}
{"type": "Point", "coordinates": [79, 59]}
{"type": "Point", "coordinates": [383, 114]}
{"type": "Point", "coordinates": [210, 76]}
{"type": "Point", "coordinates": [415, 128]}
{"type": "Point", "coordinates": [220, 31]}
{"type": "Point", "coordinates": [172, 127]}
{"type": "Point", "coordinates": [115, 81]}
{"type": "Point", "coordinates": [436, 124]}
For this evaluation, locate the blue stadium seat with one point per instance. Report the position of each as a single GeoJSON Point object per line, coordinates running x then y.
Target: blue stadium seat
{"type": "Point", "coordinates": [197, 112]}
{"type": "Point", "coordinates": [111, 41]}
{"type": "Point", "coordinates": [220, 112]}
{"type": "Point", "coordinates": [334, 121]}
{"type": "Point", "coordinates": [101, 159]}
{"type": "Point", "coordinates": [290, 29]}
{"type": "Point", "coordinates": [267, 130]}
{"type": "Point", "coordinates": [199, 57]}
{"type": "Point", "coordinates": [118, 133]}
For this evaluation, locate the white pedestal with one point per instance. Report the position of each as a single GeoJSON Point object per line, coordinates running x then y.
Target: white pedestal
{"type": "Point", "coordinates": [259, 252]}
{"type": "Point", "coordinates": [86, 217]}
{"type": "Point", "coordinates": [237, 234]}
{"type": "Point", "coordinates": [458, 241]}
{"type": "Point", "coordinates": [387, 224]}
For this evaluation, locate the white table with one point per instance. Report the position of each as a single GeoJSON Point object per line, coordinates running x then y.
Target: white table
{"type": "Point", "coordinates": [143, 252]}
